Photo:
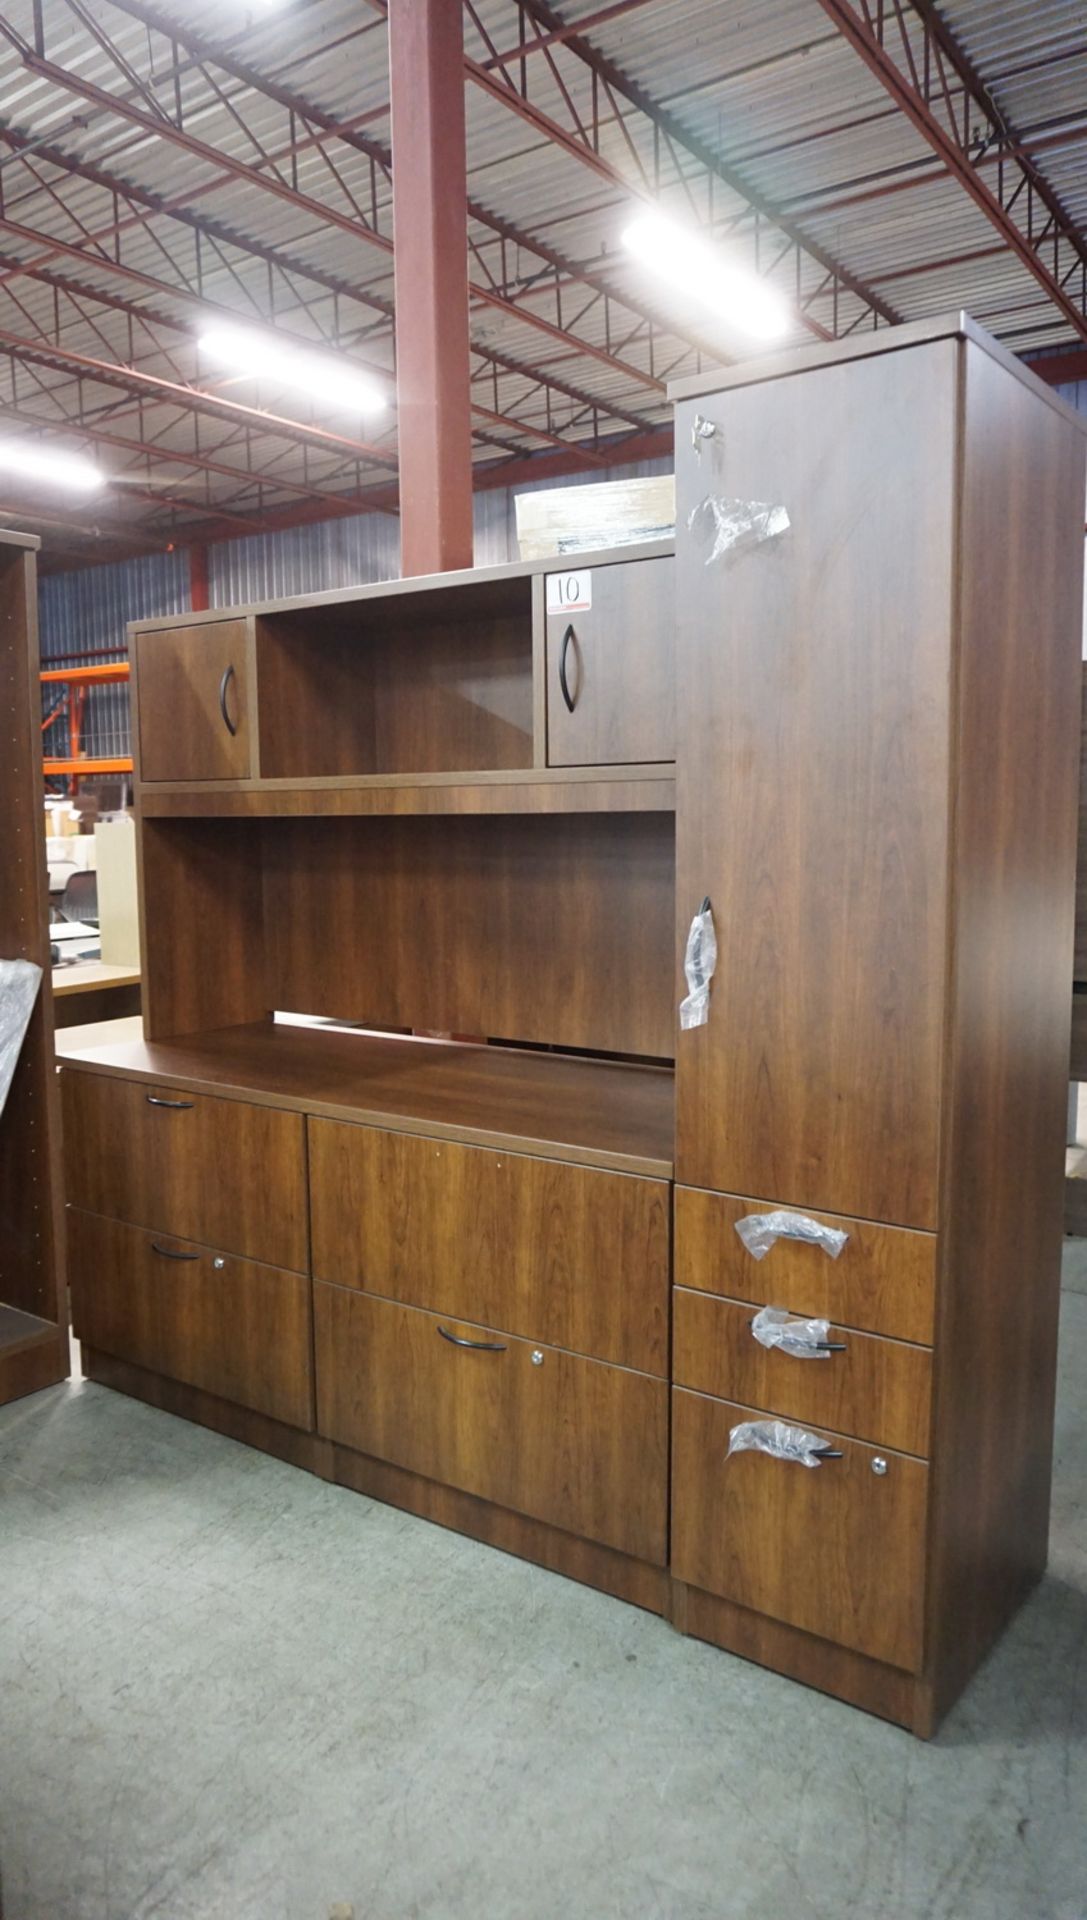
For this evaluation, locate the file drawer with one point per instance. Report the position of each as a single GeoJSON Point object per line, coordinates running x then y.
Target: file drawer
{"type": "Point", "coordinates": [874, 1389]}
{"type": "Point", "coordinates": [221, 1172]}
{"type": "Point", "coordinates": [569, 1441]}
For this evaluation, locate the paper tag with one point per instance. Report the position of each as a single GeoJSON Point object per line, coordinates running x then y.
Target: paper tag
{"type": "Point", "coordinates": [569, 592]}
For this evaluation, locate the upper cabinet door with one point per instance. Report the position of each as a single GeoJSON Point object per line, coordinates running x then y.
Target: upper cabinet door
{"type": "Point", "coordinates": [813, 691]}
{"type": "Point", "coordinates": [192, 693]}
{"type": "Point", "coordinates": [611, 665]}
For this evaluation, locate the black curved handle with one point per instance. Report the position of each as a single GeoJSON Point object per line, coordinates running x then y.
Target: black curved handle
{"type": "Point", "coordinates": [563, 682]}
{"type": "Point", "coordinates": [228, 675]}
{"type": "Point", "coordinates": [154, 1101]}
{"type": "Point", "coordinates": [169, 1253]}
{"type": "Point", "coordinates": [478, 1346]}
{"type": "Point", "coordinates": [827, 1453]}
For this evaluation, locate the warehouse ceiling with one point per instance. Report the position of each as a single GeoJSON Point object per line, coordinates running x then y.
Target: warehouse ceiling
{"type": "Point", "coordinates": [165, 166]}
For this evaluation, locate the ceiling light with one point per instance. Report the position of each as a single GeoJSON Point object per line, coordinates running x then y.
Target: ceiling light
{"type": "Point", "coordinates": [35, 460]}
{"type": "Point", "coordinates": [258, 357]}
{"type": "Point", "coordinates": [697, 270]}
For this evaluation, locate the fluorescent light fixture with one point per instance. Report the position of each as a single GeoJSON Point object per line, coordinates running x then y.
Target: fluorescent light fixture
{"type": "Point", "coordinates": [54, 466]}
{"type": "Point", "coordinates": [698, 271]}
{"type": "Point", "coordinates": [257, 356]}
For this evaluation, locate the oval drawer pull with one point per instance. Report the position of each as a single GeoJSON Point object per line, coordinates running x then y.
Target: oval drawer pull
{"type": "Point", "coordinates": [801, 1339]}
{"type": "Point", "coordinates": [230, 725]}
{"type": "Point", "coordinates": [564, 683]}
{"type": "Point", "coordinates": [170, 1253]}
{"type": "Point", "coordinates": [154, 1101]}
{"type": "Point", "coordinates": [478, 1346]}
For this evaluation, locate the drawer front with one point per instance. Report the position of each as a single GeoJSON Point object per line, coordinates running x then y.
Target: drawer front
{"type": "Point", "coordinates": [572, 1442]}
{"type": "Point", "coordinates": [837, 1550]}
{"type": "Point", "coordinates": [874, 1389]}
{"type": "Point", "coordinates": [220, 1172]}
{"type": "Point", "coordinates": [235, 1329]}
{"type": "Point", "coordinates": [567, 1255]}
{"type": "Point", "coordinates": [611, 665]}
{"type": "Point", "coordinates": [193, 704]}
{"type": "Point", "coordinates": [883, 1281]}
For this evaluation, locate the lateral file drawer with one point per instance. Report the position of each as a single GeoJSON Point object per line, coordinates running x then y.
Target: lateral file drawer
{"type": "Point", "coordinates": [873, 1389]}
{"type": "Point", "coordinates": [837, 1550]}
{"type": "Point", "coordinates": [883, 1280]}
{"type": "Point", "coordinates": [572, 1442]}
{"type": "Point", "coordinates": [233, 1328]}
{"type": "Point", "coordinates": [221, 1172]}
{"type": "Point", "coordinates": [568, 1255]}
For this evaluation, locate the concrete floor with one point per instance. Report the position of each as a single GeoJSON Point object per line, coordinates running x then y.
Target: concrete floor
{"type": "Point", "coordinates": [231, 1692]}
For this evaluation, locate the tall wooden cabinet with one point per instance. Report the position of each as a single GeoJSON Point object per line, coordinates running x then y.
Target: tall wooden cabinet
{"type": "Point", "coordinates": [512, 1286]}
{"type": "Point", "coordinates": [33, 1316]}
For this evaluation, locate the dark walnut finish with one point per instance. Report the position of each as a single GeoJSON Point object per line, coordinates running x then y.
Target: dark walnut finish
{"type": "Point", "coordinates": [837, 1550]}
{"type": "Point", "coordinates": [882, 1281]}
{"type": "Point", "coordinates": [618, 661]}
{"type": "Point", "coordinates": [225, 1174]}
{"type": "Point", "coordinates": [194, 702]}
{"type": "Point", "coordinates": [33, 1330]}
{"type": "Point", "coordinates": [813, 761]}
{"type": "Point", "coordinates": [567, 1255]}
{"type": "Point", "coordinates": [1006, 1074]}
{"type": "Point", "coordinates": [873, 1389]}
{"type": "Point", "coordinates": [236, 1329]}
{"type": "Point", "coordinates": [554, 930]}
{"type": "Point", "coordinates": [579, 1445]}
{"type": "Point", "coordinates": [594, 1112]}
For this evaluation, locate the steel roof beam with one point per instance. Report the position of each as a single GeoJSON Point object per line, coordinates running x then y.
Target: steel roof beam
{"type": "Point", "coordinates": [928, 68]}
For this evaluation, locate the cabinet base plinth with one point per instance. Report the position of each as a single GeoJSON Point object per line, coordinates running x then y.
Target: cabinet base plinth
{"type": "Point", "coordinates": [887, 1692]}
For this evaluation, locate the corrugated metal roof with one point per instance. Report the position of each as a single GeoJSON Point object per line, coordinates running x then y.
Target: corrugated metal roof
{"type": "Point", "coordinates": [788, 114]}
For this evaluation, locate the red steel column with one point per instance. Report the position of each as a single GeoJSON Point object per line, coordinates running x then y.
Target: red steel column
{"type": "Point", "coordinates": [198, 579]}
{"type": "Point", "coordinates": [426, 80]}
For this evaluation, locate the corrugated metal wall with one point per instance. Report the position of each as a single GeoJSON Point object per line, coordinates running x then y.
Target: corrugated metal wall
{"type": "Point", "coordinates": [87, 611]}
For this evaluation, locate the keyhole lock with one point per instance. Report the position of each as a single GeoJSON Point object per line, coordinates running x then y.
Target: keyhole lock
{"type": "Point", "coordinates": [879, 1465]}
{"type": "Point", "coordinates": [218, 1263]}
{"type": "Point", "coordinates": [537, 1358]}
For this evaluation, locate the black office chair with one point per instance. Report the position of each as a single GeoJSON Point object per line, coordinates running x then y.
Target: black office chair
{"type": "Point", "coordinates": [79, 901]}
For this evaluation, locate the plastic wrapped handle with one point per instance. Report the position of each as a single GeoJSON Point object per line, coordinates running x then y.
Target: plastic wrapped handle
{"type": "Point", "coordinates": [803, 1339]}
{"type": "Point", "coordinates": [699, 962]}
{"type": "Point", "coordinates": [781, 1442]}
{"type": "Point", "coordinates": [758, 1231]}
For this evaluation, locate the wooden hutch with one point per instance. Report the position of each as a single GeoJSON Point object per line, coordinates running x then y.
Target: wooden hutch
{"type": "Point", "coordinates": [500, 1284]}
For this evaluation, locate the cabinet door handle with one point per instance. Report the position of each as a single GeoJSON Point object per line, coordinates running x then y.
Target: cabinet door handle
{"type": "Point", "coordinates": [563, 682]}
{"type": "Point", "coordinates": [154, 1101]}
{"type": "Point", "coordinates": [170, 1253]}
{"type": "Point", "coordinates": [478, 1346]}
{"type": "Point", "coordinates": [228, 675]}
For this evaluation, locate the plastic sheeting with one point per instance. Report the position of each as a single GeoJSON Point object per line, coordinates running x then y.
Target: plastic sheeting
{"type": "Point", "coordinates": [758, 1231]}
{"type": "Point", "coordinates": [699, 962]}
{"type": "Point", "coordinates": [735, 525]}
{"type": "Point", "coordinates": [19, 983]}
{"type": "Point", "coordinates": [781, 1442]}
{"type": "Point", "coordinates": [802, 1339]}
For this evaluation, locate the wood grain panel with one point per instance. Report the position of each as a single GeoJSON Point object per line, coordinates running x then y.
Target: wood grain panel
{"type": "Point", "coordinates": [1013, 878]}
{"type": "Point", "coordinates": [595, 1112]}
{"type": "Point", "coordinates": [31, 1234]}
{"type": "Point", "coordinates": [835, 1550]}
{"type": "Point", "coordinates": [812, 733]}
{"type": "Point", "coordinates": [556, 1253]}
{"type": "Point", "coordinates": [873, 1389]}
{"type": "Point", "coordinates": [556, 931]}
{"type": "Point", "coordinates": [231, 1327]}
{"type": "Point", "coordinates": [620, 670]}
{"type": "Point", "coordinates": [883, 1281]}
{"type": "Point", "coordinates": [201, 927]}
{"type": "Point", "coordinates": [355, 695]}
{"type": "Point", "coordinates": [293, 1444]}
{"type": "Point", "coordinates": [215, 1171]}
{"type": "Point", "coordinates": [182, 732]}
{"type": "Point", "coordinates": [577, 1444]}
{"type": "Point", "coordinates": [646, 791]}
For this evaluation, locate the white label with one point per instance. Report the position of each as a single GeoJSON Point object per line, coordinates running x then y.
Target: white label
{"type": "Point", "coordinates": [569, 592]}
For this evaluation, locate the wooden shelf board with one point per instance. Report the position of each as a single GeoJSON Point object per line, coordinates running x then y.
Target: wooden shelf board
{"type": "Point", "coordinates": [594, 1112]}
{"type": "Point", "coordinates": [536, 790]}
{"type": "Point", "coordinates": [19, 1330]}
